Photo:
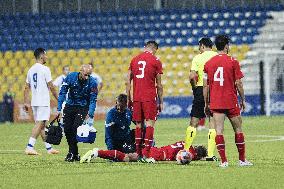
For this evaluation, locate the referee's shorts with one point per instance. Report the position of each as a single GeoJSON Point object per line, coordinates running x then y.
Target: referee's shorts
{"type": "Point", "coordinates": [198, 103]}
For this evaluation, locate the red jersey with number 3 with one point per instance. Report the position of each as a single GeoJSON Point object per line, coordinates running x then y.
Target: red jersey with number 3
{"type": "Point", "coordinates": [222, 71]}
{"type": "Point", "coordinates": [145, 68]}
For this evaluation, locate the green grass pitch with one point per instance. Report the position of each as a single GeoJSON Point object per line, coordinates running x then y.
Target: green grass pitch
{"type": "Point", "coordinates": [264, 144]}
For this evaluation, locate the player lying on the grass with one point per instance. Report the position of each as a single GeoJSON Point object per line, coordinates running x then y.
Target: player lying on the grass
{"type": "Point", "coordinates": [164, 153]}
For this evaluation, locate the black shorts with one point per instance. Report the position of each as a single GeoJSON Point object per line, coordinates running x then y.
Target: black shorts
{"type": "Point", "coordinates": [198, 103]}
{"type": "Point", "coordinates": [126, 146]}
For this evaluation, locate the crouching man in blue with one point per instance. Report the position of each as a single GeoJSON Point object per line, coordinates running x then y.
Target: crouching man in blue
{"type": "Point", "coordinates": [118, 135]}
{"type": "Point", "coordinates": [80, 105]}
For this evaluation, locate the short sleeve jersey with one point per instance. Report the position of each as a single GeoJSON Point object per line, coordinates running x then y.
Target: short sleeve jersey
{"type": "Point", "coordinates": [59, 81]}
{"type": "Point", "coordinates": [145, 68]}
{"type": "Point", "coordinates": [222, 71]}
{"type": "Point", "coordinates": [169, 152]}
{"type": "Point", "coordinates": [38, 76]}
{"type": "Point", "coordinates": [198, 63]}
{"type": "Point", "coordinates": [97, 78]}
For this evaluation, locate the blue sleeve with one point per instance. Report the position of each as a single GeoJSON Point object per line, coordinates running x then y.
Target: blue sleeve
{"type": "Point", "coordinates": [129, 117]}
{"type": "Point", "coordinates": [108, 130]}
{"type": "Point", "coordinates": [93, 99]}
{"type": "Point", "coordinates": [63, 91]}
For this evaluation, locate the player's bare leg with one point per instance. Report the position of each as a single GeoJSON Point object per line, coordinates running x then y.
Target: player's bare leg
{"type": "Point", "coordinates": [35, 133]}
{"type": "Point", "coordinates": [138, 138]}
{"type": "Point", "coordinates": [211, 141]}
{"type": "Point", "coordinates": [239, 140]}
{"type": "Point", "coordinates": [149, 135]}
{"type": "Point", "coordinates": [219, 139]}
{"type": "Point", "coordinates": [48, 146]}
{"type": "Point", "coordinates": [191, 132]}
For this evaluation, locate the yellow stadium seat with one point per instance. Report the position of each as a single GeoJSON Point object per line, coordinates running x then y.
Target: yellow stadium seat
{"type": "Point", "coordinates": [113, 53]}
{"type": "Point", "coordinates": [87, 60]}
{"type": "Point", "coordinates": [54, 61]}
{"type": "Point", "coordinates": [61, 54]}
{"type": "Point", "coordinates": [108, 60]}
{"type": "Point", "coordinates": [124, 52]}
{"type": "Point", "coordinates": [50, 54]}
{"type": "Point", "coordinates": [8, 55]}
{"type": "Point", "coordinates": [71, 53]}
{"type": "Point", "coordinates": [23, 63]}
{"type": "Point", "coordinates": [136, 51]}
{"type": "Point", "coordinates": [82, 53]}
{"type": "Point", "coordinates": [118, 60]}
{"type": "Point", "coordinates": [29, 54]}
{"type": "Point", "coordinates": [17, 71]}
{"type": "Point", "coordinates": [97, 61]}
{"type": "Point", "coordinates": [19, 54]}
{"type": "Point", "coordinates": [13, 63]}
{"type": "Point", "coordinates": [76, 61]}
{"type": "Point", "coordinates": [66, 61]}
{"type": "Point", "coordinates": [3, 63]}
{"type": "Point", "coordinates": [102, 53]}
{"type": "Point", "coordinates": [6, 71]}
{"type": "Point", "coordinates": [92, 53]}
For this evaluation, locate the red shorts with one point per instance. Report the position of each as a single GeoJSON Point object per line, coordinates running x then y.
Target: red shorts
{"type": "Point", "coordinates": [144, 110]}
{"type": "Point", "coordinates": [228, 112]}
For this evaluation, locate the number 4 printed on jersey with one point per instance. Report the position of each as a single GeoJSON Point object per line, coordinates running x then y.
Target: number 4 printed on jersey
{"type": "Point", "coordinates": [220, 71]}
{"type": "Point", "coordinates": [142, 69]}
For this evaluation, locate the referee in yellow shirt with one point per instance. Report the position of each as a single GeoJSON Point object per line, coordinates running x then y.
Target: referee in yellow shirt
{"type": "Point", "coordinates": [197, 111]}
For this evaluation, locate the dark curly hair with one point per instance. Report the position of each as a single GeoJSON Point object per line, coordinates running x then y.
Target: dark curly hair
{"type": "Point", "coordinates": [201, 152]}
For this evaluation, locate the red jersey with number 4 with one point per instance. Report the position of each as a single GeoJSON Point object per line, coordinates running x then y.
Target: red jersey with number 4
{"type": "Point", "coordinates": [222, 71]}
{"type": "Point", "coordinates": [145, 68]}
{"type": "Point", "coordinates": [168, 153]}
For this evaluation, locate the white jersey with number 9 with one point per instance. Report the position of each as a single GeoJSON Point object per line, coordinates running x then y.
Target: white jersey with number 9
{"type": "Point", "coordinates": [38, 76]}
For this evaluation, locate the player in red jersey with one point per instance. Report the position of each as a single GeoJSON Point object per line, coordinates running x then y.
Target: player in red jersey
{"type": "Point", "coordinates": [222, 80]}
{"type": "Point", "coordinates": [145, 71]}
{"type": "Point", "coordinates": [164, 153]}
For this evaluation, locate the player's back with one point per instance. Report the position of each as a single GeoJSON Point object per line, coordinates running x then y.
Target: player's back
{"type": "Point", "coordinates": [38, 76]}
{"type": "Point", "coordinates": [222, 72]}
{"type": "Point", "coordinates": [144, 68]}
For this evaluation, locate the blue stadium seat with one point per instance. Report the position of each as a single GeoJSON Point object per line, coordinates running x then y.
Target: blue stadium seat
{"type": "Point", "coordinates": [130, 28]}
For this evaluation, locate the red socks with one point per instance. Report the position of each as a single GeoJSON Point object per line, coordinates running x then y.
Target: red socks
{"type": "Point", "coordinates": [111, 154]}
{"type": "Point", "coordinates": [201, 122]}
{"type": "Point", "coordinates": [220, 143]}
{"type": "Point", "coordinates": [149, 134]}
{"type": "Point", "coordinates": [240, 143]}
{"type": "Point", "coordinates": [138, 140]}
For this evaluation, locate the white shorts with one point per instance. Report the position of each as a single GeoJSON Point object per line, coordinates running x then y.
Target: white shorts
{"type": "Point", "coordinates": [41, 113]}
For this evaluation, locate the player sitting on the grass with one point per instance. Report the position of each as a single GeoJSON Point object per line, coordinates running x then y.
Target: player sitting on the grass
{"type": "Point", "coordinates": [164, 153]}
{"type": "Point", "coordinates": [118, 135]}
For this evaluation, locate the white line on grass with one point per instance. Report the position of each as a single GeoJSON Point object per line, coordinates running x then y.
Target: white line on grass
{"type": "Point", "coordinates": [273, 139]}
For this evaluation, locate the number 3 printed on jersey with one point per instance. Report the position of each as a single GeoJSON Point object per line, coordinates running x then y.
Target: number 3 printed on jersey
{"type": "Point", "coordinates": [142, 69]}
{"type": "Point", "coordinates": [220, 72]}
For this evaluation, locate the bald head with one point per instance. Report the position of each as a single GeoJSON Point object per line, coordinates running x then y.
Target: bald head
{"type": "Point", "coordinates": [85, 71]}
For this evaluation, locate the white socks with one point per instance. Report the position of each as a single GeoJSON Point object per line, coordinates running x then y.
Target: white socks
{"type": "Point", "coordinates": [31, 143]}
{"type": "Point", "coordinates": [48, 146]}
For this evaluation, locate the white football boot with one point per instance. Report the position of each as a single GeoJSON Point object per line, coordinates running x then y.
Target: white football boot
{"type": "Point", "coordinates": [244, 163]}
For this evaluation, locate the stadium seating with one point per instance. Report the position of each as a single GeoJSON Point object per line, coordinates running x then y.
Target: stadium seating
{"type": "Point", "coordinates": [110, 39]}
